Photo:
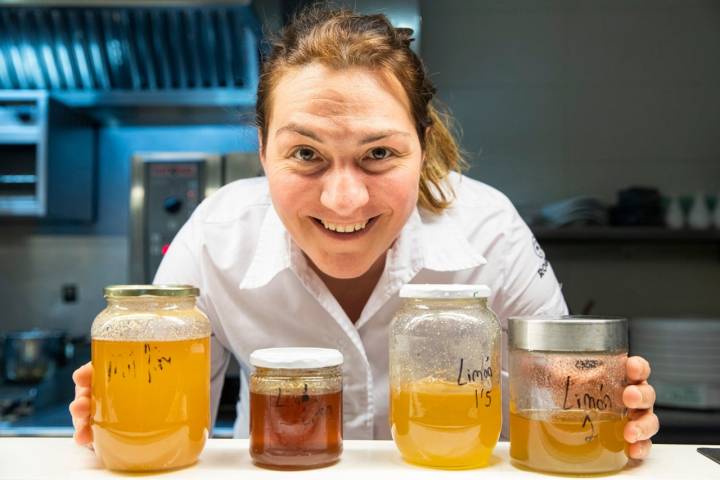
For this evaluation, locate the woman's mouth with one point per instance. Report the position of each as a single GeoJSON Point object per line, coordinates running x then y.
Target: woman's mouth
{"type": "Point", "coordinates": [345, 230]}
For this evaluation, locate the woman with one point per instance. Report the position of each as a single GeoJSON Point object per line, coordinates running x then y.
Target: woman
{"type": "Point", "coordinates": [361, 195]}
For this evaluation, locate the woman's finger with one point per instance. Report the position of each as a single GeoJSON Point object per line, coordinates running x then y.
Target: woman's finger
{"type": "Point", "coordinates": [83, 436]}
{"type": "Point", "coordinates": [637, 369]}
{"type": "Point", "coordinates": [640, 396]}
{"type": "Point", "coordinates": [83, 375]}
{"type": "Point", "coordinates": [641, 429]}
{"type": "Point", "coordinates": [80, 407]}
{"type": "Point", "coordinates": [640, 449]}
{"type": "Point", "coordinates": [82, 391]}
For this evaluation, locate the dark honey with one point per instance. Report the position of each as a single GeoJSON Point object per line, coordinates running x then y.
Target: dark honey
{"type": "Point", "coordinates": [297, 429]}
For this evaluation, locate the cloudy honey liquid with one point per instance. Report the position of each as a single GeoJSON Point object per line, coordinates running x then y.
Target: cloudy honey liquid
{"type": "Point", "coordinates": [442, 424]}
{"type": "Point", "coordinates": [150, 406]}
{"type": "Point", "coordinates": [568, 442]}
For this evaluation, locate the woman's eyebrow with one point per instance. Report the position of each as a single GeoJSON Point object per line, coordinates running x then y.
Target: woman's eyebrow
{"type": "Point", "coordinates": [299, 129]}
{"type": "Point", "coordinates": [382, 134]}
{"type": "Point", "coordinates": [373, 137]}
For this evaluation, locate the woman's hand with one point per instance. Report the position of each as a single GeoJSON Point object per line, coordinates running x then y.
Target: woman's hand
{"type": "Point", "coordinates": [80, 407]}
{"type": "Point", "coordinates": [639, 398]}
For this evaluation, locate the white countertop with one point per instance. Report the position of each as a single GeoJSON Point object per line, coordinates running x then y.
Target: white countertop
{"type": "Point", "coordinates": [57, 458]}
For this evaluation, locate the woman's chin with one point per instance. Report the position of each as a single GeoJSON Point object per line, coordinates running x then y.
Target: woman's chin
{"type": "Point", "coordinates": [347, 268]}
{"type": "Point", "coordinates": [342, 272]}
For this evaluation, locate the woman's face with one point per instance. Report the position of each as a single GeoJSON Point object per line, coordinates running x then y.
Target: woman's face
{"type": "Point", "coordinates": [343, 163]}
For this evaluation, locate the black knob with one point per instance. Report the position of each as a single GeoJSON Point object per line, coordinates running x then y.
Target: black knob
{"type": "Point", "coordinates": [172, 204]}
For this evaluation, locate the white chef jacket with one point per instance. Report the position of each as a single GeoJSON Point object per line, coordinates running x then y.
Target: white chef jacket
{"type": "Point", "coordinates": [259, 291]}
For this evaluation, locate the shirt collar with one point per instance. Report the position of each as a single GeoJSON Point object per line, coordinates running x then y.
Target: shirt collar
{"type": "Point", "coordinates": [272, 254]}
{"type": "Point", "coordinates": [446, 248]}
{"type": "Point", "coordinates": [426, 241]}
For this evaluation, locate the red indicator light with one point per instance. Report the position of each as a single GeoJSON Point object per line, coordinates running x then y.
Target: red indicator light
{"type": "Point", "coordinates": [165, 248]}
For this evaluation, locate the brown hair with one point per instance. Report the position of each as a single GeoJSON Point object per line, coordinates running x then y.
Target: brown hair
{"type": "Point", "coordinates": [341, 38]}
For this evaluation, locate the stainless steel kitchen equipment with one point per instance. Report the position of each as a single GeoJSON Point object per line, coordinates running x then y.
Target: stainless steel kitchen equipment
{"type": "Point", "coordinates": [110, 54]}
{"type": "Point", "coordinates": [48, 164]}
{"type": "Point", "coordinates": [40, 408]}
{"type": "Point", "coordinates": [33, 355]}
{"type": "Point", "coordinates": [166, 187]}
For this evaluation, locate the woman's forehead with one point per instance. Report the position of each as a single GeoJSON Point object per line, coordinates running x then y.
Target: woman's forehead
{"type": "Point", "coordinates": [343, 97]}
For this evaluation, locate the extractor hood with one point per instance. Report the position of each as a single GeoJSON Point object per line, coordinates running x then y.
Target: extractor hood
{"type": "Point", "coordinates": [109, 55]}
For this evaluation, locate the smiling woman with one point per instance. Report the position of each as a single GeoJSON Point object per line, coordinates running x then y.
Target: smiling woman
{"type": "Point", "coordinates": [342, 41]}
{"type": "Point", "coordinates": [362, 194]}
{"type": "Point", "coordinates": [343, 162]}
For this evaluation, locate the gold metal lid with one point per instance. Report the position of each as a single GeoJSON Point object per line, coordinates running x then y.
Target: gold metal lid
{"type": "Point", "coordinates": [119, 291]}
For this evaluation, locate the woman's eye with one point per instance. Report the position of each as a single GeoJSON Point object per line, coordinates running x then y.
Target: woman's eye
{"type": "Point", "coordinates": [380, 153]}
{"type": "Point", "coordinates": [305, 154]}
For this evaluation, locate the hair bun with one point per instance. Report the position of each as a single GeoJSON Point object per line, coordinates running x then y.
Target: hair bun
{"type": "Point", "coordinates": [405, 35]}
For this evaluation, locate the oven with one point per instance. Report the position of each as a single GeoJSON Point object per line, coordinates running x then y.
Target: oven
{"type": "Point", "coordinates": [165, 189]}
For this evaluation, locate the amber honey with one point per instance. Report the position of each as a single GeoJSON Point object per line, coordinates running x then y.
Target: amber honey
{"type": "Point", "coordinates": [150, 406]}
{"type": "Point", "coordinates": [573, 441]}
{"type": "Point", "coordinates": [442, 424]}
{"type": "Point", "coordinates": [295, 429]}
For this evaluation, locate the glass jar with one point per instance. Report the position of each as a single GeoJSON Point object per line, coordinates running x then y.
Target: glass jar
{"type": "Point", "coordinates": [296, 415]}
{"type": "Point", "coordinates": [445, 404]}
{"type": "Point", "coordinates": [150, 403]}
{"type": "Point", "coordinates": [567, 376]}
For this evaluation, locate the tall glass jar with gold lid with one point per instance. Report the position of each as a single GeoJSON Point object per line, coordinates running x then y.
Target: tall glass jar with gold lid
{"type": "Point", "coordinates": [150, 403]}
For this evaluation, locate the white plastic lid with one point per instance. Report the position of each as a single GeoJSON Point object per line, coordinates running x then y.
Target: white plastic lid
{"type": "Point", "coordinates": [296, 357]}
{"type": "Point", "coordinates": [419, 290]}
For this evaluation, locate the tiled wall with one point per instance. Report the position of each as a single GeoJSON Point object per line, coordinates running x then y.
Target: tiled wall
{"type": "Point", "coordinates": [35, 261]}
{"type": "Point", "coordinates": [34, 268]}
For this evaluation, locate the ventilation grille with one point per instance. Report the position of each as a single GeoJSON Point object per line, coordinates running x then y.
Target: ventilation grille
{"type": "Point", "coordinates": [132, 49]}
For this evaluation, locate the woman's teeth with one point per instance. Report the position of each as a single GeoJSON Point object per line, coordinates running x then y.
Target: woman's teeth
{"type": "Point", "coordinates": [344, 228]}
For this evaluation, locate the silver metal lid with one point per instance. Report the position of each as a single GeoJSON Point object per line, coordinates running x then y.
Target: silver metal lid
{"type": "Point", "coordinates": [118, 291]}
{"type": "Point", "coordinates": [568, 333]}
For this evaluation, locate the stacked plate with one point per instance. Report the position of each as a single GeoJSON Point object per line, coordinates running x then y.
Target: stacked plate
{"type": "Point", "coordinates": [684, 354]}
{"type": "Point", "coordinates": [573, 211]}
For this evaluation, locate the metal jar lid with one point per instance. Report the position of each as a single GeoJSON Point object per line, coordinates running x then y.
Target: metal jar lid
{"type": "Point", "coordinates": [120, 291]}
{"type": "Point", "coordinates": [568, 333]}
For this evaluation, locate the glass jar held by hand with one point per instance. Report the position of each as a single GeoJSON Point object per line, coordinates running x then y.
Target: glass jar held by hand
{"type": "Point", "coordinates": [567, 376]}
{"type": "Point", "coordinates": [150, 403]}
{"type": "Point", "coordinates": [445, 405]}
{"type": "Point", "coordinates": [296, 410]}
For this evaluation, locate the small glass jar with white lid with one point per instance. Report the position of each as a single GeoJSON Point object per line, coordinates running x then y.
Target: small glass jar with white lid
{"type": "Point", "coordinates": [296, 409]}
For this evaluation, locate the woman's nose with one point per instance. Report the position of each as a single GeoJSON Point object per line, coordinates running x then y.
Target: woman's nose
{"type": "Point", "coordinates": [344, 192]}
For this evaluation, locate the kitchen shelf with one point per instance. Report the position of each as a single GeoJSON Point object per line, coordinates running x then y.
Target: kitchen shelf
{"type": "Point", "coordinates": [22, 135]}
{"type": "Point", "coordinates": [590, 234]}
{"type": "Point", "coordinates": [25, 205]}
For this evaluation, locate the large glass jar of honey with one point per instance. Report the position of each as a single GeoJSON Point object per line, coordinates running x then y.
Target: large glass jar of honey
{"type": "Point", "coordinates": [567, 376]}
{"type": "Point", "coordinates": [445, 404]}
{"type": "Point", "coordinates": [150, 403]}
{"type": "Point", "coordinates": [296, 409]}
